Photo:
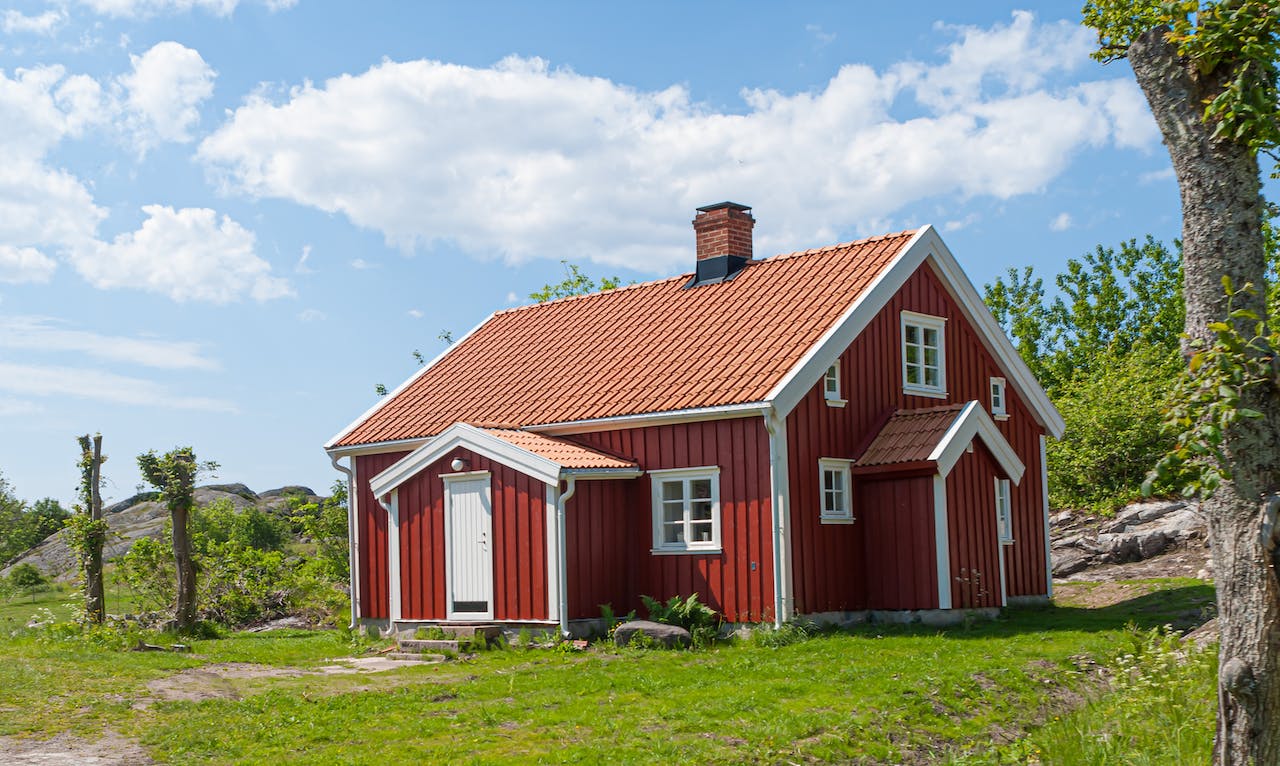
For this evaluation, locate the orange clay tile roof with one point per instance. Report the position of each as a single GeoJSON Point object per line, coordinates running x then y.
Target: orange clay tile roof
{"type": "Point", "coordinates": [567, 454]}
{"type": "Point", "coordinates": [910, 435]}
{"type": "Point", "coordinates": [652, 347]}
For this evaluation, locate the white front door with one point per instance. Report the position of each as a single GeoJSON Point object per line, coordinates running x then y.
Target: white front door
{"type": "Point", "coordinates": [468, 532]}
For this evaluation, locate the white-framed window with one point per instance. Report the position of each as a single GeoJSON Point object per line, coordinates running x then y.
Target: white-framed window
{"type": "Point", "coordinates": [924, 355]}
{"type": "Point", "coordinates": [835, 489]}
{"type": "Point", "coordinates": [686, 509]}
{"type": "Point", "coordinates": [998, 406]}
{"type": "Point", "coordinates": [1004, 512]}
{"type": "Point", "coordinates": [831, 382]}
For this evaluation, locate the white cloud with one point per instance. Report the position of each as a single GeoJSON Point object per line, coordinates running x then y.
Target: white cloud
{"type": "Point", "coordinates": [424, 152]}
{"type": "Point", "coordinates": [301, 266]}
{"type": "Point", "coordinates": [186, 254]}
{"type": "Point", "coordinates": [512, 297]}
{"type": "Point", "coordinates": [1061, 222]}
{"type": "Point", "coordinates": [10, 407]}
{"type": "Point", "coordinates": [135, 9]}
{"type": "Point", "coordinates": [960, 223]}
{"type": "Point", "coordinates": [415, 314]}
{"type": "Point", "coordinates": [1156, 176]}
{"type": "Point", "coordinates": [45, 334]}
{"type": "Point", "coordinates": [25, 264]}
{"type": "Point", "coordinates": [164, 92]}
{"type": "Point", "coordinates": [360, 264]}
{"type": "Point", "coordinates": [97, 385]}
{"type": "Point", "coordinates": [310, 315]}
{"type": "Point", "coordinates": [822, 37]}
{"type": "Point", "coordinates": [15, 22]}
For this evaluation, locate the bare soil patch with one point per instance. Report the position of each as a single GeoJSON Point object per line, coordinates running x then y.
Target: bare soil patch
{"type": "Point", "coordinates": [66, 750]}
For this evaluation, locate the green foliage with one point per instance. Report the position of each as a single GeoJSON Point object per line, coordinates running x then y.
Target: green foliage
{"type": "Point", "coordinates": [221, 523]}
{"type": "Point", "coordinates": [147, 570]}
{"type": "Point", "coordinates": [1209, 400]}
{"type": "Point", "coordinates": [26, 577]}
{"type": "Point", "coordinates": [574, 283]}
{"type": "Point", "coordinates": [1115, 431]}
{"type": "Point", "coordinates": [325, 524]}
{"type": "Point", "coordinates": [702, 622]}
{"type": "Point", "coordinates": [23, 526]}
{"type": "Point", "coordinates": [1233, 45]}
{"type": "Point", "coordinates": [789, 633]}
{"type": "Point", "coordinates": [174, 474]}
{"type": "Point", "coordinates": [612, 620]}
{"type": "Point", "coordinates": [1106, 349]}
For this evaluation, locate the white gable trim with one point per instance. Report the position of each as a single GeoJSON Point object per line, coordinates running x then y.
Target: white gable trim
{"type": "Point", "coordinates": [973, 421]}
{"type": "Point", "coordinates": [472, 438]}
{"type": "Point", "coordinates": [384, 399]}
{"type": "Point", "coordinates": [925, 245]}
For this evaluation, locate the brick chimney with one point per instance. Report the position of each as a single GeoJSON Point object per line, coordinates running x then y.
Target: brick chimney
{"type": "Point", "coordinates": [724, 229]}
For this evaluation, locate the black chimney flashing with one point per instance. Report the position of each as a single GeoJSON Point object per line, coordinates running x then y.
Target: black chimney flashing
{"type": "Point", "coordinates": [719, 205]}
{"type": "Point", "coordinates": [713, 271]}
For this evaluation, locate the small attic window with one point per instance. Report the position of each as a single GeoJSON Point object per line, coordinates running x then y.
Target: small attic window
{"type": "Point", "coordinates": [831, 382]}
{"type": "Point", "coordinates": [999, 408]}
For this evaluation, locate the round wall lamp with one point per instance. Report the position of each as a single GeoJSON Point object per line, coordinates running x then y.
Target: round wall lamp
{"type": "Point", "coordinates": [459, 464]}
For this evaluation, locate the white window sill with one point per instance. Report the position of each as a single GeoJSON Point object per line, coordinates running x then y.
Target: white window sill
{"type": "Point", "coordinates": [837, 402]}
{"type": "Point", "coordinates": [838, 521]}
{"type": "Point", "coordinates": [932, 393]}
{"type": "Point", "coordinates": [686, 551]}
{"type": "Point", "coordinates": [1000, 415]}
{"type": "Point", "coordinates": [1006, 542]}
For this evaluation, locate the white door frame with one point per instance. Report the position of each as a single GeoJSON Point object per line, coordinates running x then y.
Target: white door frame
{"type": "Point", "coordinates": [451, 479]}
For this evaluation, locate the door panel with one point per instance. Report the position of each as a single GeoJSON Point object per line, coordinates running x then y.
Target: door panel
{"type": "Point", "coordinates": [470, 548]}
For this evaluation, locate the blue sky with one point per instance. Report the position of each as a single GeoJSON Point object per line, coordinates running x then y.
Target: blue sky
{"type": "Point", "coordinates": [223, 222]}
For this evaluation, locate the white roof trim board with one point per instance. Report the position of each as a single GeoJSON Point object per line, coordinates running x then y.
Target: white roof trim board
{"type": "Point", "coordinates": [499, 450]}
{"type": "Point", "coordinates": [973, 421]}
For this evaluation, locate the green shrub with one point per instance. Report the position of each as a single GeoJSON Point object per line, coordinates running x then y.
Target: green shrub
{"type": "Point", "coordinates": [702, 622]}
{"type": "Point", "coordinates": [431, 633]}
{"type": "Point", "coordinates": [26, 577]}
{"type": "Point", "coordinates": [789, 633]}
{"type": "Point", "coordinates": [147, 570]}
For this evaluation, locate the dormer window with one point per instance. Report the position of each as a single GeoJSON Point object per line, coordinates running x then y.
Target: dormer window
{"type": "Point", "coordinates": [998, 404]}
{"type": "Point", "coordinates": [924, 370]}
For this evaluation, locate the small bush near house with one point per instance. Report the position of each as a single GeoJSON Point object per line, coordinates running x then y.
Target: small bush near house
{"type": "Point", "coordinates": [786, 635]}
{"type": "Point", "coordinates": [702, 622]}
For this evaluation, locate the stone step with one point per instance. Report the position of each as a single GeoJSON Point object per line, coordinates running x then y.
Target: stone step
{"type": "Point", "coordinates": [467, 630]}
{"type": "Point", "coordinates": [416, 657]}
{"type": "Point", "coordinates": [427, 645]}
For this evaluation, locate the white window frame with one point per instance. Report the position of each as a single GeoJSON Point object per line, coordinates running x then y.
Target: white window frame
{"type": "Point", "coordinates": [833, 398]}
{"type": "Point", "coordinates": [686, 476]}
{"type": "Point", "coordinates": [1004, 511]}
{"type": "Point", "coordinates": [828, 514]}
{"type": "Point", "coordinates": [999, 399]}
{"type": "Point", "coordinates": [924, 322]}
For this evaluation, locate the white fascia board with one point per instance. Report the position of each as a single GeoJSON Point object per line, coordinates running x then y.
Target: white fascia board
{"type": "Point", "coordinates": [814, 364]}
{"type": "Point", "coordinates": [973, 421]}
{"type": "Point", "coordinates": [599, 474]}
{"type": "Point", "coordinates": [421, 371]}
{"type": "Point", "coordinates": [993, 337]}
{"type": "Point", "coordinates": [377, 447]}
{"type": "Point", "coordinates": [474, 439]}
{"type": "Point", "coordinates": [668, 417]}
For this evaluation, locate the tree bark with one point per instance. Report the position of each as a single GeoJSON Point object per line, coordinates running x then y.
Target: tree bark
{"type": "Point", "coordinates": [95, 602]}
{"type": "Point", "coordinates": [1222, 235]}
{"type": "Point", "coordinates": [185, 610]}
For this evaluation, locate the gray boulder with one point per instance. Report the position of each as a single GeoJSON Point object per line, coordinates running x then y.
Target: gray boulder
{"type": "Point", "coordinates": [669, 636]}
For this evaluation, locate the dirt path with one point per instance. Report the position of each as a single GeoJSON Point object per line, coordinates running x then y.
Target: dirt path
{"type": "Point", "coordinates": [66, 750]}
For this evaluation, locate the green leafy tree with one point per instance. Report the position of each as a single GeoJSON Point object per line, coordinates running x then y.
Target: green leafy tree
{"type": "Point", "coordinates": [23, 526]}
{"type": "Point", "coordinates": [1209, 72]}
{"type": "Point", "coordinates": [574, 283]}
{"type": "Point", "coordinates": [87, 531]}
{"type": "Point", "coordinates": [174, 475]}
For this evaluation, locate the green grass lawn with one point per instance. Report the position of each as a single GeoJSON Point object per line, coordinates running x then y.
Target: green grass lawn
{"type": "Point", "coordinates": [877, 694]}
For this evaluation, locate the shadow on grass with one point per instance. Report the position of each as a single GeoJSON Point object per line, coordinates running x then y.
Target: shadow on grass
{"type": "Point", "coordinates": [1184, 607]}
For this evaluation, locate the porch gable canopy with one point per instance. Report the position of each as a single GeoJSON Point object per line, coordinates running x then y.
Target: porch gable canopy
{"type": "Point", "coordinates": [544, 458]}
{"type": "Point", "coordinates": [938, 436]}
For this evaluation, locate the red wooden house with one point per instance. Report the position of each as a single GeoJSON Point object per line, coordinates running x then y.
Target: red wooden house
{"type": "Point", "coordinates": [826, 433]}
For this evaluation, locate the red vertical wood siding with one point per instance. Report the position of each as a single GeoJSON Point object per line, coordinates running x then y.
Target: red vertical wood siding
{"type": "Point", "coordinates": [738, 581]}
{"type": "Point", "coordinates": [519, 541]}
{"type": "Point", "coordinates": [371, 557]}
{"type": "Point", "coordinates": [598, 536]}
{"type": "Point", "coordinates": [899, 551]}
{"type": "Point", "coordinates": [828, 574]}
{"type": "Point", "coordinates": [971, 522]}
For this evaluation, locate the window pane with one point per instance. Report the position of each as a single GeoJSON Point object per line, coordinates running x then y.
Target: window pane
{"type": "Point", "coordinates": [837, 501]}
{"type": "Point", "coordinates": [700, 489]}
{"type": "Point", "coordinates": [913, 374]}
{"type": "Point", "coordinates": [702, 531]}
{"type": "Point", "coordinates": [837, 480]}
{"type": "Point", "coordinates": [931, 357]}
{"type": "Point", "coordinates": [930, 337]}
{"type": "Point", "coordinates": [827, 480]}
{"type": "Point", "coordinates": [673, 533]}
{"type": "Point", "coordinates": [912, 333]}
{"type": "Point", "coordinates": [673, 512]}
{"type": "Point", "coordinates": [701, 510]}
{"type": "Point", "coordinates": [673, 490]}
{"type": "Point", "coordinates": [931, 377]}
{"type": "Point", "coordinates": [913, 354]}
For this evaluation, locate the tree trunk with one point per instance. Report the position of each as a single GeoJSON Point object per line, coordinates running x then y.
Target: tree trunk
{"type": "Point", "coordinates": [95, 603]}
{"type": "Point", "coordinates": [185, 611]}
{"type": "Point", "coordinates": [1222, 235]}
